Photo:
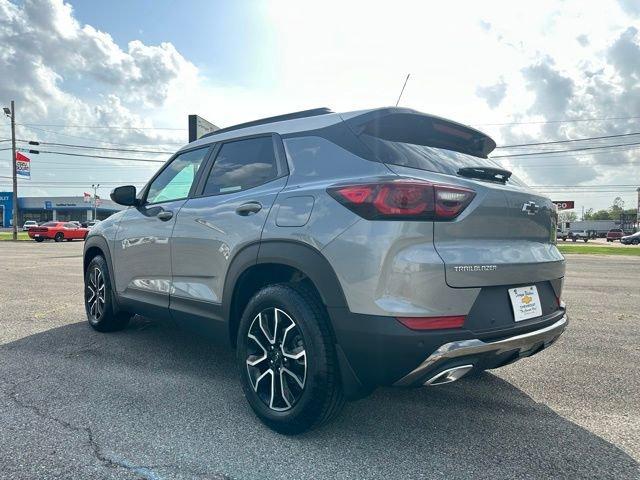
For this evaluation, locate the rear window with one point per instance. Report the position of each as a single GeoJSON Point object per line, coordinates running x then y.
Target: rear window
{"type": "Point", "coordinates": [49, 224]}
{"type": "Point", "coordinates": [422, 157]}
{"type": "Point", "coordinates": [424, 142]}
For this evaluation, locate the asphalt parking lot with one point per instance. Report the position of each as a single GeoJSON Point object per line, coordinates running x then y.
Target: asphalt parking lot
{"type": "Point", "coordinates": [158, 402]}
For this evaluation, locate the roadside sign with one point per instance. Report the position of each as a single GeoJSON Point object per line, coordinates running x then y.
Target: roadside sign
{"type": "Point", "coordinates": [564, 204]}
{"type": "Point", "coordinates": [23, 165]}
{"type": "Point", "coordinates": [198, 127]}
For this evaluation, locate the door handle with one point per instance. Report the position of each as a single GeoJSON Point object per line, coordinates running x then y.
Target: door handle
{"type": "Point", "coordinates": [248, 208]}
{"type": "Point", "coordinates": [165, 215]}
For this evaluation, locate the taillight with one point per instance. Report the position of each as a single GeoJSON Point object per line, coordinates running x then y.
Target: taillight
{"type": "Point", "coordinates": [403, 200]}
{"type": "Point", "coordinates": [432, 323]}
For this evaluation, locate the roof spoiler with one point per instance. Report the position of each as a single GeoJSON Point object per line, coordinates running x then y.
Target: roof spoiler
{"type": "Point", "coordinates": [410, 126]}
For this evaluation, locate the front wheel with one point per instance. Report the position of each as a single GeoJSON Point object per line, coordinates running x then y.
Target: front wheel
{"type": "Point", "coordinates": [98, 299]}
{"type": "Point", "coordinates": [287, 359]}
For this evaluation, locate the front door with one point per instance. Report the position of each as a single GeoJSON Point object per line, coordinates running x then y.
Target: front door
{"type": "Point", "coordinates": [225, 215]}
{"type": "Point", "coordinates": [142, 251]}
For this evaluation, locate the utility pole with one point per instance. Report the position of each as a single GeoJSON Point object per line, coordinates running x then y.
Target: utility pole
{"type": "Point", "coordinates": [95, 187]}
{"type": "Point", "coordinates": [15, 170]}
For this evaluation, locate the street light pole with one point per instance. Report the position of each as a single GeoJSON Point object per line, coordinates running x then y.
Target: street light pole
{"type": "Point", "coordinates": [95, 199]}
{"type": "Point", "coordinates": [15, 171]}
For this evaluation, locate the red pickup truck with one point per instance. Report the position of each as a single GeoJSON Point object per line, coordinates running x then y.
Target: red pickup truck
{"type": "Point", "coordinates": [614, 234]}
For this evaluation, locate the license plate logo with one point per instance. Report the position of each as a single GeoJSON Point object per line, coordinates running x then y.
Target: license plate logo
{"type": "Point", "coordinates": [525, 302]}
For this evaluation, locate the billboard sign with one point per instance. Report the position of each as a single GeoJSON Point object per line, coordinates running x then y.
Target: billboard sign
{"type": "Point", "coordinates": [565, 204]}
{"type": "Point", "coordinates": [198, 127]}
{"type": "Point", "coordinates": [23, 165]}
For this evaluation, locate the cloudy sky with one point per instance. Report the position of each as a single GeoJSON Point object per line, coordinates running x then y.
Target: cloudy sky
{"type": "Point", "coordinates": [125, 75]}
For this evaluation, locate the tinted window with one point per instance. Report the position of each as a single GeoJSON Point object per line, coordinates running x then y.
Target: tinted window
{"type": "Point", "coordinates": [241, 165]}
{"type": "Point", "coordinates": [176, 179]}
{"type": "Point", "coordinates": [433, 159]}
{"type": "Point", "coordinates": [49, 224]}
{"type": "Point", "coordinates": [70, 225]}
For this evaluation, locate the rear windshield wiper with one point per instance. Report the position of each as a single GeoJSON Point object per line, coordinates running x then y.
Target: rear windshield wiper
{"type": "Point", "coordinates": [485, 173]}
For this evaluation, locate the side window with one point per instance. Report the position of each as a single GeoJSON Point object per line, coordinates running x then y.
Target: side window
{"type": "Point", "coordinates": [241, 165]}
{"type": "Point", "coordinates": [70, 225]}
{"type": "Point", "coordinates": [176, 179]}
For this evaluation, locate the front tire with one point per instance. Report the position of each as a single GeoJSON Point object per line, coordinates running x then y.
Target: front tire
{"type": "Point", "coordinates": [98, 299]}
{"type": "Point", "coordinates": [287, 359]}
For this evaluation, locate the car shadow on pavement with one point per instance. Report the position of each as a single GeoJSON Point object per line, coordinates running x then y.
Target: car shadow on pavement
{"type": "Point", "coordinates": [166, 398]}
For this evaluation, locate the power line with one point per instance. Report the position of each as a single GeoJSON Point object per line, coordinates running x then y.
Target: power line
{"type": "Point", "coordinates": [103, 156]}
{"type": "Point", "coordinates": [565, 151]}
{"type": "Point", "coordinates": [569, 141]}
{"type": "Point", "coordinates": [102, 148]}
{"type": "Point", "coordinates": [93, 139]}
{"type": "Point", "coordinates": [570, 120]}
{"type": "Point", "coordinates": [97, 126]}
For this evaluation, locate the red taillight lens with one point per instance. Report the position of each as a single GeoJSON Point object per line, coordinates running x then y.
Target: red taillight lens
{"type": "Point", "coordinates": [432, 323]}
{"type": "Point", "coordinates": [403, 200]}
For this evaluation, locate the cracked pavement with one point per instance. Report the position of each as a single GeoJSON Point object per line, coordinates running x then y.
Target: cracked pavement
{"type": "Point", "coordinates": [159, 402]}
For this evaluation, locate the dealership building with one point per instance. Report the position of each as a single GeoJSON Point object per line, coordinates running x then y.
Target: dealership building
{"type": "Point", "coordinates": [45, 209]}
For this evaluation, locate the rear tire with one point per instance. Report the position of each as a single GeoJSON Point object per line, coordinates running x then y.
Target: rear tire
{"type": "Point", "coordinates": [288, 367]}
{"type": "Point", "coordinates": [98, 299]}
{"type": "Point", "coordinates": [59, 237]}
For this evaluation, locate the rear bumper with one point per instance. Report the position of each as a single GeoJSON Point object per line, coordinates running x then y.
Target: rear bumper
{"type": "Point", "coordinates": [377, 350]}
{"type": "Point", "coordinates": [456, 356]}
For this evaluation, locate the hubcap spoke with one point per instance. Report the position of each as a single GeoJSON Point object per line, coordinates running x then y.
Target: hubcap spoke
{"type": "Point", "coordinates": [276, 350]}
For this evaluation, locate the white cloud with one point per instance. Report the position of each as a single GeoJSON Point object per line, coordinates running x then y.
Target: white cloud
{"type": "Point", "coordinates": [475, 62]}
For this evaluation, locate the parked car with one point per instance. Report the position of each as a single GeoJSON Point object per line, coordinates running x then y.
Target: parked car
{"type": "Point", "coordinates": [633, 239]}
{"type": "Point", "coordinates": [58, 231]}
{"type": "Point", "coordinates": [337, 253]}
{"type": "Point", "coordinates": [575, 235]}
{"type": "Point", "coordinates": [614, 234]}
{"type": "Point", "coordinates": [560, 235]}
{"type": "Point", "coordinates": [28, 224]}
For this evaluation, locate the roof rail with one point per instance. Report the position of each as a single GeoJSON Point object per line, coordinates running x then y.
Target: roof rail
{"type": "Point", "coordinates": [278, 118]}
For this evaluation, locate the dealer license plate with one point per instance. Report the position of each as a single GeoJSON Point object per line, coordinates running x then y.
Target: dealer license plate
{"type": "Point", "coordinates": [525, 302]}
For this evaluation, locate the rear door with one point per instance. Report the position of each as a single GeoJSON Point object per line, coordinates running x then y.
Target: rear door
{"type": "Point", "coordinates": [226, 214]}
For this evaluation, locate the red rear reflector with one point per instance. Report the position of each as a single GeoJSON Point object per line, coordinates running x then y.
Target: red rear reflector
{"type": "Point", "coordinates": [432, 323]}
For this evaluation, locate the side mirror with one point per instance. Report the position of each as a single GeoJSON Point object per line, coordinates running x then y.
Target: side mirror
{"type": "Point", "coordinates": [125, 195]}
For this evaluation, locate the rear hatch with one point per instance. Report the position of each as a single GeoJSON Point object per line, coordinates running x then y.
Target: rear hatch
{"type": "Point", "coordinates": [505, 236]}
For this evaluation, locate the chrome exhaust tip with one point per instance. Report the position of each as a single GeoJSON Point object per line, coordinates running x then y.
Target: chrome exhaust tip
{"type": "Point", "coordinates": [449, 375]}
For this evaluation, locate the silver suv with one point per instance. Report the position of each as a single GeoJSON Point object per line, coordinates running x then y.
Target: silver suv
{"type": "Point", "coordinates": [336, 253]}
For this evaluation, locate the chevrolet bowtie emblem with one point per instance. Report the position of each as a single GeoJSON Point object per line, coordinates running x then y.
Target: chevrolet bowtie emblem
{"type": "Point", "coordinates": [530, 208]}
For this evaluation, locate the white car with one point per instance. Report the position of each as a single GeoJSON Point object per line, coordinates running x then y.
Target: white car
{"type": "Point", "coordinates": [28, 224]}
